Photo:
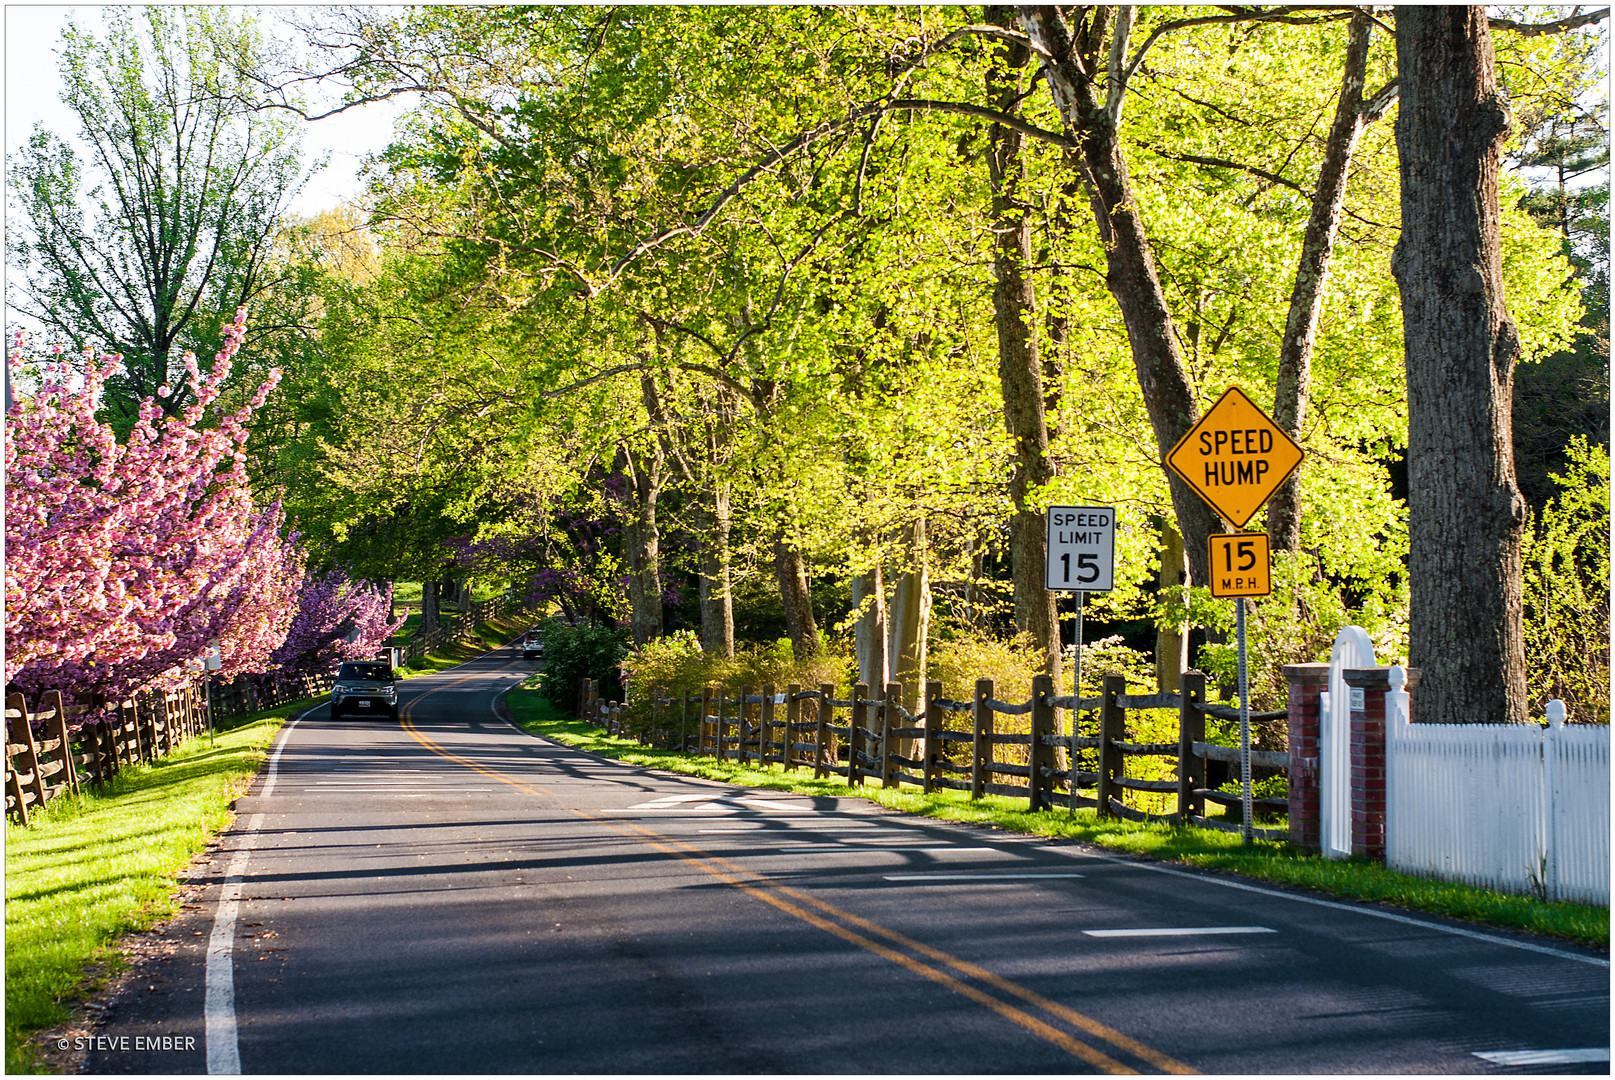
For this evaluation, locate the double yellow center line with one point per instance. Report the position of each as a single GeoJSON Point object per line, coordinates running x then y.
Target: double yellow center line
{"type": "Point", "coordinates": [923, 960]}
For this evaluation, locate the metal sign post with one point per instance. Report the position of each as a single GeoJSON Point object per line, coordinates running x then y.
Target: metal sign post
{"type": "Point", "coordinates": [1081, 560]}
{"type": "Point", "coordinates": [1241, 567]}
{"type": "Point", "coordinates": [1244, 728]}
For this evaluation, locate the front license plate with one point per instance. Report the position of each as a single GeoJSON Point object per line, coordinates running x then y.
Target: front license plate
{"type": "Point", "coordinates": [364, 704]}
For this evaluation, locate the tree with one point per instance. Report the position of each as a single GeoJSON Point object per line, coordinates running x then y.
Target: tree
{"type": "Point", "coordinates": [338, 618]}
{"type": "Point", "coordinates": [1466, 516]}
{"type": "Point", "coordinates": [145, 248]}
{"type": "Point", "coordinates": [126, 561]}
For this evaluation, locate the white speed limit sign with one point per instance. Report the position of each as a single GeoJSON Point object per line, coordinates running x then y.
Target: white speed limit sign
{"type": "Point", "coordinates": [1082, 549]}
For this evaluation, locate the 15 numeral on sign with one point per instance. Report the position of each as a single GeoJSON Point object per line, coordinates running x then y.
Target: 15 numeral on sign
{"type": "Point", "coordinates": [1087, 568]}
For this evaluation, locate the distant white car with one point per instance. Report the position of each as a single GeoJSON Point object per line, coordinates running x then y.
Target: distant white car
{"type": "Point", "coordinates": [533, 646]}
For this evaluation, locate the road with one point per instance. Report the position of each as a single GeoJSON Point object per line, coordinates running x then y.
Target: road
{"type": "Point", "coordinates": [446, 894]}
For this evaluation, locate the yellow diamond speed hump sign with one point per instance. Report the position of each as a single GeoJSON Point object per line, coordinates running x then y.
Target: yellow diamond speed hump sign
{"type": "Point", "coordinates": [1235, 457]}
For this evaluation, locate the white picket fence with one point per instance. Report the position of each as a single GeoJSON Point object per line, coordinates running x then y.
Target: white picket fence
{"type": "Point", "coordinates": [1513, 807]}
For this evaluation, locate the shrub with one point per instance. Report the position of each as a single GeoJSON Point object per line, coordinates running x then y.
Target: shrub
{"type": "Point", "coordinates": [959, 655]}
{"type": "Point", "coordinates": [674, 666]}
{"type": "Point", "coordinates": [575, 653]}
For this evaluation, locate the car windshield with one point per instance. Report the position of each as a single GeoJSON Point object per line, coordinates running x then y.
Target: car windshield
{"type": "Point", "coordinates": [368, 672]}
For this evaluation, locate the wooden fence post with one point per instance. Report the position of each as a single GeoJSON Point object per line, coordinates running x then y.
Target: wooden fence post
{"type": "Point", "coordinates": [22, 733]}
{"type": "Point", "coordinates": [145, 728]}
{"type": "Point", "coordinates": [22, 768]}
{"type": "Point", "coordinates": [1038, 755]}
{"type": "Point", "coordinates": [821, 737]}
{"type": "Point", "coordinates": [891, 715]}
{"type": "Point", "coordinates": [1191, 729]}
{"type": "Point", "coordinates": [981, 747]}
{"type": "Point", "coordinates": [701, 724]}
{"type": "Point", "coordinates": [793, 716]}
{"type": "Point", "coordinates": [765, 725]}
{"type": "Point", "coordinates": [722, 693]}
{"type": "Point", "coordinates": [1112, 729]}
{"type": "Point", "coordinates": [933, 741]}
{"type": "Point", "coordinates": [857, 725]}
{"type": "Point", "coordinates": [56, 731]}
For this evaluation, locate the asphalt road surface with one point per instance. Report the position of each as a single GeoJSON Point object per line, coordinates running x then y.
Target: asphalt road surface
{"type": "Point", "coordinates": [446, 894]}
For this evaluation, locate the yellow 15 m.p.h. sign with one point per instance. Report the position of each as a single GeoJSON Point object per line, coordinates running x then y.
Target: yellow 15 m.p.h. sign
{"type": "Point", "coordinates": [1235, 457]}
{"type": "Point", "coordinates": [1241, 564]}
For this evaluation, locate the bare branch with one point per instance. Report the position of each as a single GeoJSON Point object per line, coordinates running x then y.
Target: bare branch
{"type": "Point", "coordinates": [1559, 26]}
{"type": "Point", "coordinates": [1005, 119]}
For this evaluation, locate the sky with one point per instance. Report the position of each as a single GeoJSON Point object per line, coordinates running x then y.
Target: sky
{"type": "Point", "coordinates": [32, 37]}
{"type": "Point", "coordinates": [33, 96]}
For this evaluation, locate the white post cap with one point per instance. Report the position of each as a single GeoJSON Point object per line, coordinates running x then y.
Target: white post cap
{"type": "Point", "coordinates": [1556, 713]}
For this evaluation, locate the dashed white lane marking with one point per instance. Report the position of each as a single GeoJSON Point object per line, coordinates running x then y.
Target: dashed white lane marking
{"type": "Point", "coordinates": [726, 804]}
{"type": "Point", "coordinates": [1356, 909]}
{"type": "Point", "coordinates": [384, 789]}
{"type": "Point", "coordinates": [1544, 1057]}
{"type": "Point", "coordinates": [1179, 931]}
{"type": "Point", "coordinates": [859, 849]}
{"type": "Point", "coordinates": [974, 877]}
{"type": "Point", "coordinates": [815, 828]}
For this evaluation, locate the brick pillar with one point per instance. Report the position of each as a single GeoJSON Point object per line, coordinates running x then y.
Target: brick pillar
{"type": "Point", "coordinates": [1368, 756]}
{"type": "Point", "coordinates": [1307, 681]}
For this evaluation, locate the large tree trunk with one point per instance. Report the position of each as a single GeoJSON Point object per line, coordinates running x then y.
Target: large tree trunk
{"type": "Point", "coordinates": [1465, 514]}
{"type": "Point", "coordinates": [643, 541]}
{"type": "Point", "coordinates": [1171, 639]}
{"type": "Point", "coordinates": [1129, 263]}
{"type": "Point", "coordinates": [1306, 297]}
{"type": "Point", "coordinates": [1020, 370]}
{"type": "Point", "coordinates": [911, 614]}
{"type": "Point", "coordinates": [869, 633]}
{"type": "Point", "coordinates": [717, 605]}
{"type": "Point", "coordinates": [430, 613]}
{"type": "Point", "coordinates": [791, 571]}
{"type": "Point", "coordinates": [911, 622]}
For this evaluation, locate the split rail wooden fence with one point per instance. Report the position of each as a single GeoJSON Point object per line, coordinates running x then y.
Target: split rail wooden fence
{"type": "Point", "coordinates": [46, 758]}
{"type": "Point", "coordinates": [866, 738]}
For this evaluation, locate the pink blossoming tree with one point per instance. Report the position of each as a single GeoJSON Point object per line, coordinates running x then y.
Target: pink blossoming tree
{"type": "Point", "coordinates": [338, 618]}
{"type": "Point", "coordinates": [126, 561]}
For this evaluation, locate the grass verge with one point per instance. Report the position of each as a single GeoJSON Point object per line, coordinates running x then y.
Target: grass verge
{"type": "Point", "coordinates": [1350, 879]}
{"type": "Point", "coordinates": [489, 635]}
{"type": "Point", "coordinates": [88, 870]}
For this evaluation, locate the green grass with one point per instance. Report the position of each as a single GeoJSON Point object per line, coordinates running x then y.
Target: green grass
{"type": "Point", "coordinates": [489, 635]}
{"type": "Point", "coordinates": [406, 633]}
{"type": "Point", "coordinates": [91, 869]}
{"type": "Point", "coordinates": [1350, 879]}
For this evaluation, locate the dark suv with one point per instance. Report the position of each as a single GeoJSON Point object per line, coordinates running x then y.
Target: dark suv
{"type": "Point", "coordinates": [365, 687]}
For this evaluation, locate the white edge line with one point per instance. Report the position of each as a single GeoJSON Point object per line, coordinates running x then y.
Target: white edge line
{"type": "Point", "coordinates": [1544, 1057]}
{"type": "Point", "coordinates": [1546, 950]}
{"type": "Point", "coordinates": [219, 987]}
